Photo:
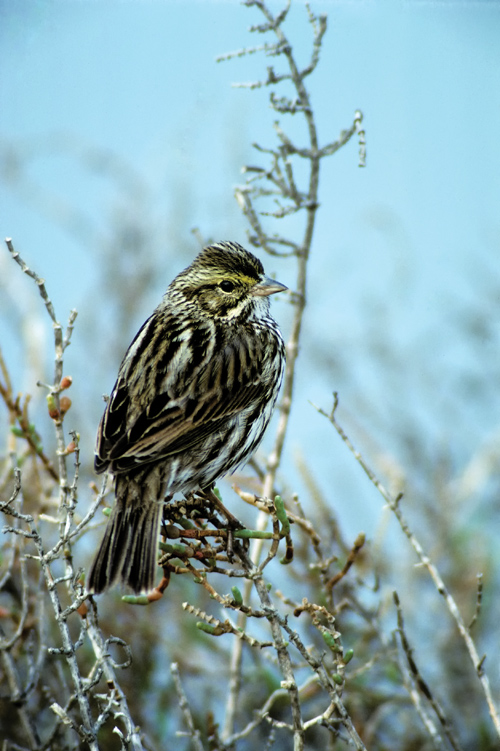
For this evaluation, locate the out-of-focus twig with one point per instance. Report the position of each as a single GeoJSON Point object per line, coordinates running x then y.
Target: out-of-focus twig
{"type": "Point", "coordinates": [394, 505]}
{"type": "Point", "coordinates": [420, 686]}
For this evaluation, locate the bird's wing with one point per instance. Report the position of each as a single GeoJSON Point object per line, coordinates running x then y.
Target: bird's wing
{"type": "Point", "coordinates": [229, 381]}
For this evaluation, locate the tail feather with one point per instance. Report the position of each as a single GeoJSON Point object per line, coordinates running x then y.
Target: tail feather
{"type": "Point", "coordinates": [128, 552]}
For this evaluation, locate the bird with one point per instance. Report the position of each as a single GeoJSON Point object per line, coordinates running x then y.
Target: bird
{"type": "Point", "coordinates": [194, 394]}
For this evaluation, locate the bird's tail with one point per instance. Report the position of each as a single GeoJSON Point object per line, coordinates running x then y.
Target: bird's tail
{"type": "Point", "coordinates": [128, 552]}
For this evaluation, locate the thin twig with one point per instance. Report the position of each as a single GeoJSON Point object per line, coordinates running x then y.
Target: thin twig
{"type": "Point", "coordinates": [281, 178]}
{"type": "Point", "coordinates": [420, 686]}
{"type": "Point", "coordinates": [394, 505]}
{"type": "Point", "coordinates": [194, 733]}
{"type": "Point", "coordinates": [115, 705]}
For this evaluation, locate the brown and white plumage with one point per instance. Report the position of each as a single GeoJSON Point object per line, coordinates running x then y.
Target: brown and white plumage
{"type": "Point", "coordinates": [194, 394]}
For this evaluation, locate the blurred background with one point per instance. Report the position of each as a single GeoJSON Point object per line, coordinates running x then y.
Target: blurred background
{"type": "Point", "coordinates": [120, 135]}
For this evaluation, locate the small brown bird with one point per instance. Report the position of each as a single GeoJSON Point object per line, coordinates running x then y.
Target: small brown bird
{"type": "Point", "coordinates": [194, 394]}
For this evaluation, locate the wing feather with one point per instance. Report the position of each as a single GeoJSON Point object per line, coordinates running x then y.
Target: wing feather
{"type": "Point", "coordinates": [156, 423]}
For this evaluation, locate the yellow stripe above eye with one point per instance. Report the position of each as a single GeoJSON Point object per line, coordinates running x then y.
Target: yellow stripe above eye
{"type": "Point", "coordinates": [238, 279]}
{"type": "Point", "coordinates": [243, 278]}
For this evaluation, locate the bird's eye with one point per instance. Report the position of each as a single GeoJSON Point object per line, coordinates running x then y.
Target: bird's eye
{"type": "Point", "coordinates": [226, 286]}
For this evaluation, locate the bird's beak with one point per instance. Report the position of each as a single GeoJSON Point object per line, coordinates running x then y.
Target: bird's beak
{"type": "Point", "coordinates": [266, 287]}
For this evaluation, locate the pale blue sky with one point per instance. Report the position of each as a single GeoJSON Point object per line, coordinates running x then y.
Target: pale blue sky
{"type": "Point", "coordinates": [412, 233]}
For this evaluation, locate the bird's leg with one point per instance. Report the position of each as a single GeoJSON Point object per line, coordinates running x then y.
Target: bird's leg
{"type": "Point", "coordinates": [186, 507]}
{"type": "Point", "coordinates": [232, 522]}
{"type": "Point", "coordinates": [230, 545]}
{"type": "Point", "coordinates": [209, 495]}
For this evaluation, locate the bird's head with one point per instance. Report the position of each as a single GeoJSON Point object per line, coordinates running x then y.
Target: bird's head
{"type": "Point", "coordinates": [225, 281]}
